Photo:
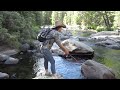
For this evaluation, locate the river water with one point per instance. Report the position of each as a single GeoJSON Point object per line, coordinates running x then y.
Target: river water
{"type": "Point", "coordinates": [28, 66]}
{"type": "Point", "coordinates": [66, 68]}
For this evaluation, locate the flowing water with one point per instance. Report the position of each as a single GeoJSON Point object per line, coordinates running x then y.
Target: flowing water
{"type": "Point", "coordinates": [68, 69]}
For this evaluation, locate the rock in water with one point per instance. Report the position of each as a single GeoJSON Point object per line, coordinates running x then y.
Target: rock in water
{"type": "Point", "coordinates": [4, 75]}
{"type": "Point", "coordinates": [76, 48]}
{"type": "Point", "coordinates": [73, 45]}
{"type": "Point", "coordinates": [3, 57]}
{"type": "Point", "coordinates": [94, 70]}
{"type": "Point", "coordinates": [10, 52]}
{"type": "Point", "coordinates": [11, 60]}
{"type": "Point", "coordinates": [41, 75]}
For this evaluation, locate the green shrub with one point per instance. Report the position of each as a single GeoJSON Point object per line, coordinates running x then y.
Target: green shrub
{"type": "Point", "coordinates": [3, 34]}
{"type": "Point", "coordinates": [13, 41]}
{"type": "Point", "coordinates": [100, 28]}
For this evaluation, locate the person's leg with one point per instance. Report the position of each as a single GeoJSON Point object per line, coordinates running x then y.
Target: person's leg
{"type": "Point", "coordinates": [46, 66]}
{"type": "Point", "coordinates": [48, 57]}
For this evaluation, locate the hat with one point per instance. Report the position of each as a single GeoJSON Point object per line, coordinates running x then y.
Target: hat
{"type": "Point", "coordinates": [59, 24]}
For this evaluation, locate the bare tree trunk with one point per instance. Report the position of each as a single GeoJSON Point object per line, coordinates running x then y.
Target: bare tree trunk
{"type": "Point", "coordinates": [106, 19]}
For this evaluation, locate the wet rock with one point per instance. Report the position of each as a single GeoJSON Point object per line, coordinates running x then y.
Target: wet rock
{"type": "Point", "coordinates": [98, 38]}
{"type": "Point", "coordinates": [36, 43]}
{"type": "Point", "coordinates": [105, 43]}
{"type": "Point", "coordinates": [4, 75]}
{"type": "Point", "coordinates": [24, 47]}
{"type": "Point", "coordinates": [3, 57]}
{"type": "Point", "coordinates": [7, 59]}
{"type": "Point", "coordinates": [94, 70]}
{"type": "Point", "coordinates": [109, 43]}
{"type": "Point", "coordinates": [11, 60]}
{"type": "Point", "coordinates": [73, 45]}
{"type": "Point", "coordinates": [117, 47]}
{"type": "Point", "coordinates": [10, 52]}
{"type": "Point", "coordinates": [41, 75]}
{"type": "Point", "coordinates": [76, 48]}
{"type": "Point", "coordinates": [105, 33]}
{"type": "Point", "coordinates": [83, 38]}
{"type": "Point", "coordinates": [108, 39]}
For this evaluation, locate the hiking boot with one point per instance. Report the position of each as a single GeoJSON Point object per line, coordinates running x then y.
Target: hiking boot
{"type": "Point", "coordinates": [48, 74]}
{"type": "Point", "coordinates": [57, 76]}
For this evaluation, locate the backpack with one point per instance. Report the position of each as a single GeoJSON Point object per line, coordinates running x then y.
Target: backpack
{"type": "Point", "coordinates": [42, 36]}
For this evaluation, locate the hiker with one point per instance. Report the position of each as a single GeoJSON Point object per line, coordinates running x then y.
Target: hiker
{"type": "Point", "coordinates": [46, 46]}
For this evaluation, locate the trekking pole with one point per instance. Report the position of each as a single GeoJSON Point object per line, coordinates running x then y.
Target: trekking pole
{"type": "Point", "coordinates": [73, 57]}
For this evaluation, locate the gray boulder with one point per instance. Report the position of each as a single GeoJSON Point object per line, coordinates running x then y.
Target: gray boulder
{"type": "Point", "coordinates": [10, 52]}
{"type": "Point", "coordinates": [11, 60]}
{"type": "Point", "coordinates": [76, 48]}
{"type": "Point", "coordinates": [4, 75]}
{"type": "Point", "coordinates": [94, 70]}
{"type": "Point", "coordinates": [24, 47]}
{"type": "Point", "coordinates": [5, 59]}
{"type": "Point", "coordinates": [72, 44]}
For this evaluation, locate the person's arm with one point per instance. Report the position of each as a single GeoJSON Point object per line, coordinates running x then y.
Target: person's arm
{"type": "Point", "coordinates": [58, 41]}
{"type": "Point", "coordinates": [64, 49]}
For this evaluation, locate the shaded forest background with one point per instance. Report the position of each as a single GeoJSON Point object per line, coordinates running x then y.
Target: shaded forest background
{"type": "Point", "coordinates": [17, 27]}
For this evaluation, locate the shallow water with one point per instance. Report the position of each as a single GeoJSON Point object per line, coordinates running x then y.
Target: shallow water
{"type": "Point", "coordinates": [67, 69]}
{"type": "Point", "coordinates": [22, 70]}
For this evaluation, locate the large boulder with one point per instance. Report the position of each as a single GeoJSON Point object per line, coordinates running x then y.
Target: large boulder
{"type": "Point", "coordinates": [76, 48]}
{"type": "Point", "coordinates": [4, 75]}
{"type": "Point", "coordinates": [94, 70]}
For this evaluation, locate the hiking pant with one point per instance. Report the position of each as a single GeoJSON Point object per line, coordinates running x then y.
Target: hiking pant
{"type": "Point", "coordinates": [48, 58]}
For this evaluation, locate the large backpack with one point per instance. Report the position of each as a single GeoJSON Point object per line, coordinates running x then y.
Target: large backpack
{"type": "Point", "coordinates": [42, 36]}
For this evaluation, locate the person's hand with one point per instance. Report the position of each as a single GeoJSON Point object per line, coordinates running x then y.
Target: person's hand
{"type": "Point", "coordinates": [66, 52]}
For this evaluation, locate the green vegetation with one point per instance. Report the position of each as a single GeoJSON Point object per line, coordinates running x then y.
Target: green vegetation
{"type": "Point", "coordinates": [19, 26]}
{"type": "Point", "coordinates": [108, 57]}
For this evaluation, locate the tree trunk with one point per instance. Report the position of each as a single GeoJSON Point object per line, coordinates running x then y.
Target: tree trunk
{"type": "Point", "coordinates": [106, 19]}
